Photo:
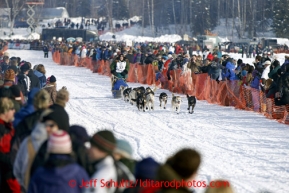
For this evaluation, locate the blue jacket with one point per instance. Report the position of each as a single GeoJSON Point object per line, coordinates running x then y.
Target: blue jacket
{"type": "Point", "coordinates": [256, 80]}
{"type": "Point", "coordinates": [41, 77]}
{"type": "Point", "coordinates": [285, 65]}
{"type": "Point", "coordinates": [27, 109]}
{"type": "Point", "coordinates": [54, 179]}
{"type": "Point", "coordinates": [98, 54]}
{"type": "Point", "coordinates": [229, 71]}
{"type": "Point", "coordinates": [104, 55]}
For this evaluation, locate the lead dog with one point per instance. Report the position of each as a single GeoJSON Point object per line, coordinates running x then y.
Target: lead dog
{"type": "Point", "coordinates": [163, 99]}
{"type": "Point", "coordinates": [191, 103]}
{"type": "Point", "coordinates": [176, 103]}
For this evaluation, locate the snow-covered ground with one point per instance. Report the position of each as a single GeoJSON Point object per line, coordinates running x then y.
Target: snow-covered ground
{"type": "Point", "coordinates": [243, 147]}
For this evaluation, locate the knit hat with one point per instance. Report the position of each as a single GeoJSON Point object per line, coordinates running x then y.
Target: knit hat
{"type": "Point", "coordinates": [124, 148]}
{"type": "Point", "coordinates": [52, 79]}
{"type": "Point", "coordinates": [9, 75]}
{"type": "Point", "coordinates": [59, 117]}
{"type": "Point", "coordinates": [104, 140]}
{"type": "Point", "coordinates": [25, 67]}
{"type": "Point", "coordinates": [78, 134]}
{"type": "Point", "coordinates": [59, 143]}
{"type": "Point", "coordinates": [146, 169]}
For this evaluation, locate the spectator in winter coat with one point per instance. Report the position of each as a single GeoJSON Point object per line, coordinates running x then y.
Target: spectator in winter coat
{"type": "Point", "coordinates": [193, 65]}
{"type": "Point", "coordinates": [23, 79]}
{"type": "Point", "coordinates": [146, 169]}
{"type": "Point", "coordinates": [130, 57]}
{"type": "Point", "coordinates": [137, 57]}
{"type": "Point", "coordinates": [8, 183]}
{"type": "Point", "coordinates": [83, 52]}
{"type": "Point", "coordinates": [120, 67]}
{"type": "Point", "coordinates": [230, 70]}
{"type": "Point", "coordinates": [14, 67]}
{"type": "Point", "coordinates": [40, 73]}
{"type": "Point", "coordinates": [25, 127]}
{"type": "Point", "coordinates": [173, 65]}
{"type": "Point", "coordinates": [150, 58]}
{"type": "Point", "coordinates": [255, 85]}
{"type": "Point", "coordinates": [79, 137]}
{"type": "Point", "coordinates": [265, 73]}
{"type": "Point", "coordinates": [24, 157]}
{"type": "Point", "coordinates": [45, 50]}
{"type": "Point", "coordinates": [285, 65]}
{"type": "Point", "coordinates": [123, 153]}
{"type": "Point", "coordinates": [27, 109]}
{"type": "Point", "coordinates": [5, 64]}
{"type": "Point", "coordinates": [98, 53]}
{"type": "Point", "coordinates": [249, 77]}
{"type": "Point", "coordinates": [182, 166]}
{"type": "Point", "coordinates": [215, 69]}
{"type": "Point", "coordinates": [54, 120]}
{"type": "Point", "coordinates": [273, 70]}
{"type": "Point", "coordinates": [50, 87]}
{"type": "Point", "coordinates": [62, 97]}
{"type": "Point", "coordinates": [17, 97]}
{"type": "Point", "coordinates": [282, 94]}
{"type": "Point", "coordinates": [59, 169]}
{"type": "Point", "coordinates": [100, 155]}
{"type": "Point", "coordinates": [258, 64]}
{"type": "Point", "coordinates": [34, 81]}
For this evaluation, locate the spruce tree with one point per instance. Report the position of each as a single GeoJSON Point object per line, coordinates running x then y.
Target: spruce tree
{"type": "Point", "coordinates": [280, 19]}
{"type": "Point", "coordinates": [120, 10]}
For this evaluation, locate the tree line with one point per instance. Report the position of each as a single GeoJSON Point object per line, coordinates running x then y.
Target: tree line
{"type": "Point", "coordinates": [195, 16]}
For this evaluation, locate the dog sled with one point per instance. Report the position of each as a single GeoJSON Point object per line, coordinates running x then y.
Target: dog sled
{"type": "Point", "coordinates": [116, 84]}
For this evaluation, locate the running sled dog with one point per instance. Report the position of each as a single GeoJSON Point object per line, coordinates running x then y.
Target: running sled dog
{"type": "Point", "coordinates": [176, 103]}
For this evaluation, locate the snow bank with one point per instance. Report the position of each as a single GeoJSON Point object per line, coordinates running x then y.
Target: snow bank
{"type": "Point", "coordinates": [124, 37]}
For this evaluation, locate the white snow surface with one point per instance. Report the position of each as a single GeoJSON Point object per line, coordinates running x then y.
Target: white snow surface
{"type": "Point", "coordinates": [122, 36]}
{"type": "Point", "coordinates": [240, 146]}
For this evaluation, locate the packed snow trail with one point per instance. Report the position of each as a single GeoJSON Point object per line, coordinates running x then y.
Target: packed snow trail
{"type": "Point", "coordinates": [240, 146]}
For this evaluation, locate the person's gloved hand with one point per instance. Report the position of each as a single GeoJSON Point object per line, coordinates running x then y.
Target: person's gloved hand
{"type": "Point", "coordinates": [169, 77]}
{"type": "Point", "coordinates": [124, 73]}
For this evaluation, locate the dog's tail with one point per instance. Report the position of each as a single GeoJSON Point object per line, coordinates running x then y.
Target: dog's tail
{"type": "Point", "coordinates": [173, 95]}
{"type": "Point", "coordinates": [154, 90]}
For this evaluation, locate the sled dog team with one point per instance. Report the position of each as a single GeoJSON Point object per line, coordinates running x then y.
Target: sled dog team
{"type": "Point", "coordinates": [144, 99]}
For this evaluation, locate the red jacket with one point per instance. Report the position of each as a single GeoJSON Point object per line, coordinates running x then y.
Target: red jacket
{"type": "Point", "coordinates": [8, 182]}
